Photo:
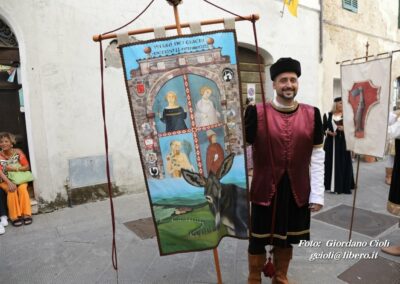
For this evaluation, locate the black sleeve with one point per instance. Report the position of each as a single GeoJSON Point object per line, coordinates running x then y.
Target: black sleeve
{"type": "Point", "coordinates": [318, 129]}
{"type": "Point", "coordinates": [250, 123]}
{"type": "Point", "coordinates": [325, 123]}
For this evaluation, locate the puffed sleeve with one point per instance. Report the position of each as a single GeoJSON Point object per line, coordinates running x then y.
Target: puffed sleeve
{"type": "Point", "coordinates": [317, 169]}
{"type": "Point", "coordinates": [318, 129]}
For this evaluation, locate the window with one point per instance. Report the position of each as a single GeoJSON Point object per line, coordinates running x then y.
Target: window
{"type": "Point", "coordinates": [351, 5]}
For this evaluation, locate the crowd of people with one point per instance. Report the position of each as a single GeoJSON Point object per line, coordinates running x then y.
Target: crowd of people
{"type": "Point", "coordinates": [14, 197]}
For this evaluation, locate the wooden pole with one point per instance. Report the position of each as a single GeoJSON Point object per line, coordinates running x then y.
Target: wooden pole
{"type": "Point", "coordinates": [173, 27]}
{"type": "Point", "coordinates": [177, 21]}
{"type": "Point", "coordinates": [358, 170]}
{"type": "Point", "coordinates": [354, 197]}
{"type": "Point", "coordinates": [215, 251]}
{"type": "Point", "coordinates": [217, 268]}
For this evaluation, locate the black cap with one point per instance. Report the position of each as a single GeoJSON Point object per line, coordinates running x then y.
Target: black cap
{"type": "Point", "coordinates": [285, 64]}
{"type": "Point", "coordinates": [337, 99]}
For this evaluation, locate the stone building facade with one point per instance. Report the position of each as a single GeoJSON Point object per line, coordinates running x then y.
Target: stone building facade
{"type": "Point", "coordinates": [353, 29]}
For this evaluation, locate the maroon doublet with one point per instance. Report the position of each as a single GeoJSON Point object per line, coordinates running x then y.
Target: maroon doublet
{"type": "Point", "coordinates": [291, 136]}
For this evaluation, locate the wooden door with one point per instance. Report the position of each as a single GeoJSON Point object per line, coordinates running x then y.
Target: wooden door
{"type": "Point", "coordinates": [249, 72]}
{"type": "Point", "coordinates": [11, 118]}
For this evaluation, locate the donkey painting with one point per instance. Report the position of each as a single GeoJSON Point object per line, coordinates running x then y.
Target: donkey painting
{"type": "Point", "coordinates": [227, 202]}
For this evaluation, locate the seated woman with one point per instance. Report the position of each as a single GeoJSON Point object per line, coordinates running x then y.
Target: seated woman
{"type": "Point", "coordinates": [18, 202]}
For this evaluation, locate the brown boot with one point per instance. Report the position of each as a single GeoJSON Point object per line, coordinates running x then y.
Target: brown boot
{"type": "Point", "coordinates": [282, 257]}
{"type": "Point", "coordinates": [388, 178]}
{"type": "Point", "coordinates": [392, 250]}
{"type": "Point", "coordinates": [256, 264]}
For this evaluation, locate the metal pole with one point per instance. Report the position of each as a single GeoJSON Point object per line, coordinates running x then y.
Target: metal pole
{"type": "Point", "coordinates": [173, 27]}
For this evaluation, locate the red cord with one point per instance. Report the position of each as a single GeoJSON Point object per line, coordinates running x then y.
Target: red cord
{"type": "Point", "coordinates": [103, 107]}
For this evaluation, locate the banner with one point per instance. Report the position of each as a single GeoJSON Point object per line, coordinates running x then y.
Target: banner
{"type": "Point", "coordinates": [365, 97]}
{"type": "Point", "coordinates": [184, 95]}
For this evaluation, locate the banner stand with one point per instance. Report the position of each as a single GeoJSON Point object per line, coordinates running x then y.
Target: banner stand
{"type": "Point", "coordinates": [359, 155]}
{"type": "Point", "coordinates": [178, 26]}
{"type": "Point", "coordinates": [215, 250]}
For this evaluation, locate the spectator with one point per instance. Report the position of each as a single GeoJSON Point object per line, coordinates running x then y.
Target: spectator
{"type": "Point", "coordinates": [14, 160]}
{"type": "Point", "coordinates": [338, 163]}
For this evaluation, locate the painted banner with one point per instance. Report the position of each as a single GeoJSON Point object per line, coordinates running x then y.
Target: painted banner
{"type": "Point", "coordinates": [366, 97]}
{"type": "Point", "coordinates": [185, 100]}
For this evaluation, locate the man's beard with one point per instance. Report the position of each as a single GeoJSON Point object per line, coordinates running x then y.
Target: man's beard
{"type": "Point", "coordinates": [287, 94]}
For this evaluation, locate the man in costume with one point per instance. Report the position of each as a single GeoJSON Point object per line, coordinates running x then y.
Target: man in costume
{"type": "Point", "coordinates": [288, 177]}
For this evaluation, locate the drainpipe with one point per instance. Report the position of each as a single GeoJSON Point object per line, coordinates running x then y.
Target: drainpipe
{"type": "Point", "coordinates": [321, 38]}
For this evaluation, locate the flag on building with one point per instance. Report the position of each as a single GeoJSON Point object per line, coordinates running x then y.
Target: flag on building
{"type": "Point", "coordinates": [292, 6]}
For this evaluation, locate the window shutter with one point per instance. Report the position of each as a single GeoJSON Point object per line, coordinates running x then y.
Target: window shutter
{"type": "Point", "coordinates": [351, 5]}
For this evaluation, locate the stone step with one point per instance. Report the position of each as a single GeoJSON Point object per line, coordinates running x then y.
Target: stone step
{"type": "Point", "coordinates": [35, 206]}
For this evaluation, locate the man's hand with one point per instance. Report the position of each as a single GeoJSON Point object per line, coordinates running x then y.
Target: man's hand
{"type": "Point", "coordinates": [314, 207]}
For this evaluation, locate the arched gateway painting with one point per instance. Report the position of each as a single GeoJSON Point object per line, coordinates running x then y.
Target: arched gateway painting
{"type": "Point", "coordinates": [184, 94]}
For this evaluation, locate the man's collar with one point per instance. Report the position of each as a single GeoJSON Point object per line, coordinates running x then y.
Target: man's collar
{"type": "Point", "coordinates": [283, 108]}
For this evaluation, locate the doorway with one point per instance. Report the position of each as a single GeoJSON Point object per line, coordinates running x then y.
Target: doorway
{"type": "Point", "coordinates": [249, 73]}
{"type": "Point", "coordinates": [12, 112]}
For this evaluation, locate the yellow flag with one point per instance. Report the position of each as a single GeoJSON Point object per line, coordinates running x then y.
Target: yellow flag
{"type": "Point", "coordinates": [292, 6]}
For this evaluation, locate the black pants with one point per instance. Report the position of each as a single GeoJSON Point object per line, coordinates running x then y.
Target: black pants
{"type": "Point", "coordinates": [292, 223]}
{"type": "Point", "coordinates": [3, 203]}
